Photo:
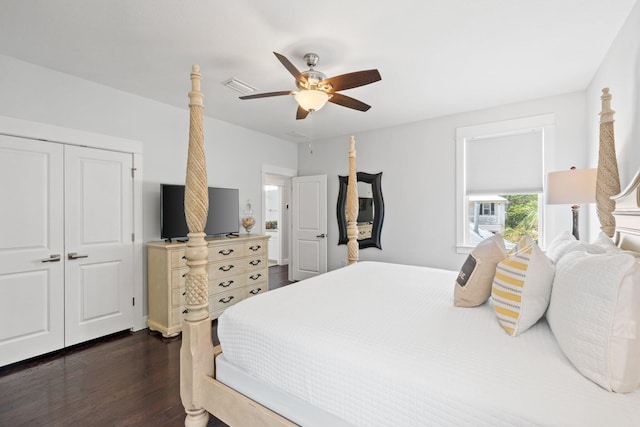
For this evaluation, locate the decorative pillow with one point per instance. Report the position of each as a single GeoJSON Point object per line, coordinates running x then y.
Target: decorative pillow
{"type": "Point", "coordinates": [565, 242]}
{"type": "Point", "coordinates": [522, 288]}
{"type": "Point", "coordinates": [522, 243]}
{"type": "Point", "coordinates": [606, 245]}
{"type": "Point", "coordinates": [473, 285]}
{"type": "Point", "coordinates": [603, 241]}
{"type": "Point", "coordinates": [595, 317]}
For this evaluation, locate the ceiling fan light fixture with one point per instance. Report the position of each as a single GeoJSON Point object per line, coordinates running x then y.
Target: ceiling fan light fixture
{"type": "Point", "coordinates": [311, 100]}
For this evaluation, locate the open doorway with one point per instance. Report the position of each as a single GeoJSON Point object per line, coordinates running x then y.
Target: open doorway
{"type": "Point", "coordinates": [273, 225]}
{"type": "Point", "coordinates": [276, 190]}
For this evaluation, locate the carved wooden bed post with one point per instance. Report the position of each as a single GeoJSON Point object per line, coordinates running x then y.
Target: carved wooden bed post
{"type": "Point", "coordinates": [352, 206]}
{"type": "Point", "coordinates": [608, 180]}
{"type": "Point", "coordinates": [196, 353]}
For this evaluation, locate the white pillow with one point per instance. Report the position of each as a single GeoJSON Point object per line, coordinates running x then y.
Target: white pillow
{"type": "Point", "coordinates": [565, 242]}
{"type": "Point", "coordinates": [595, 317]}
{"type": "Point", "coordinates": [522, 288]}
{"type": "Point", "coordinates": [606, 245]}
{"type": "Point", "coordinates": [603, 241]}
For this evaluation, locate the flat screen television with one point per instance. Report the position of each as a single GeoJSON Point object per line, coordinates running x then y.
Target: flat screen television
{"type": "Point", "coordinates": [223, 218]}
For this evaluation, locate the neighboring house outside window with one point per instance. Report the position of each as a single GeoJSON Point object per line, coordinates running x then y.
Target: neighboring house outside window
{"type": "Point", "coordinates": [500, 174]}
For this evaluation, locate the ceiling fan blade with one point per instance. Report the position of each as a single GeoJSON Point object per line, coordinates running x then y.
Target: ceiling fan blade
{"type": "Point", "coordinates": [267, 94]}
{"type": "Point", "coordinates": [290, 67]}
{"type": "Point", "coordinates": [351, 80]}
{"type": "Point", "coordinates": [347, 101]}
{"type": "Point", "coordinates": [301, 113]}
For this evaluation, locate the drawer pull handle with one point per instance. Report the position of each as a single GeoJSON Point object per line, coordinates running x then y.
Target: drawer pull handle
{"type": "Point", "coordinates": [226, 300]}
{"type": "Point", "coordinates": [255, 276]}
{"type": "Point", "coordinates": [226, 267]}
{"type": "Point", "coordinates": [255, 262]}
{"type": "Point", "coordinates": [255, 291]}
{"type": "Point", "coordinates": [225, 252]}
{"type": "Point", "coordinates": [226, 284]}
{"type": "Point", "coordinates": [184, 293]}
{"type": "Point", "coordinates": [255, 247]}
{"type": "Point", "coordinates": [185, 311]}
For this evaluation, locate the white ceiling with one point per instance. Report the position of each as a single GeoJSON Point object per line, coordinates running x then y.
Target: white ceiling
{"type": "Point", "coordinates": [435, 57]}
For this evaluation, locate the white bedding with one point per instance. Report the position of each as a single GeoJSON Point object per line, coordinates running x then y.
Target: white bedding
{"type": "Point", "coordinates": [381, 344]}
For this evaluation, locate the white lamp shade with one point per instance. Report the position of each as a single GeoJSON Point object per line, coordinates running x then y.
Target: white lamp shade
{"type": "Point", "coordinates": [571, 187]}
{"type": "Point", "coordinates": [311, 100]}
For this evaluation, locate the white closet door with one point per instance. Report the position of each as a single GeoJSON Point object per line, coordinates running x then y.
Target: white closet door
{"type": "Point", "coordinates": [31, 236]}
{"type": "Point", "coordinates": [98, 243]}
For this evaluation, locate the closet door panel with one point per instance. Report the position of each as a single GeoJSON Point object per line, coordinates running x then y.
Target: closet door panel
{"type": "Point", "coordinates": [31, 248]}
{"type": "Point", "coordinates": [98, 242]}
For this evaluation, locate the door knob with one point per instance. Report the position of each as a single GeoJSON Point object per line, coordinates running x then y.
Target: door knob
{"type": "Point", "coordinates": [322, 236]}
{"type": "Point", "coordinates": [52, 258]}
{"type": "Point", "coordinates": [74, 255]}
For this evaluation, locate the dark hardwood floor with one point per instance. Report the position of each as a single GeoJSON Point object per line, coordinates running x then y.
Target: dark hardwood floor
{"type": "Point", "coordinates": [126, 379]}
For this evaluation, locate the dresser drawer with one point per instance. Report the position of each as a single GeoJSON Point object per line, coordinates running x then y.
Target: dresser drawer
{"type": "Point", "coordinates": [178, 258]}
{"type": "Point", "coordinates": [178, 277]}
{"type": "Point", "coordinates": [222, 269]}
{"type": "Point", "coordinates": [177, 296]}
{"type": "Point", "coordinates": [225, 299]}
{"type": "Point", "coordinates": [223, 284]}
{"type": "Point", "coordinates": [256, 276]}
{"type": "Point", "coordinates": [255, 248]}
{"type": "Point", "coordinates": [227, 251]}
{"type": "Point", "coordinates": [255, 289]}
{"type": "Point", "coordinates": [176, 315]}
{"type": "Point", "coordinates": [255, 263]}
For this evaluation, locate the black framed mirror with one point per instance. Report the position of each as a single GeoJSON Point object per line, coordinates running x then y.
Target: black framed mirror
{"type": "Point", "coordinates": [371, 210]}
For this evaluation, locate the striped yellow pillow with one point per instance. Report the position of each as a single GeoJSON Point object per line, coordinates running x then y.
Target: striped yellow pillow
{"type": "Point", "coordinates": [522, 288]}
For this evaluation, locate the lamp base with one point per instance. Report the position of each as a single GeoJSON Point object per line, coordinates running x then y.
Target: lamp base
{"type": "Point", "coordinates": [575, 210]}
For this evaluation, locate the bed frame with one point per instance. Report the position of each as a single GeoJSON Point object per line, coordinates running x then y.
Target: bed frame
{"type": "Point", "coordinates": [200, 392]}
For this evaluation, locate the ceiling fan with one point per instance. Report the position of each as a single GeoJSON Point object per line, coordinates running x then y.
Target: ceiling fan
{"type": "Point", "coordinates": [316, 89]}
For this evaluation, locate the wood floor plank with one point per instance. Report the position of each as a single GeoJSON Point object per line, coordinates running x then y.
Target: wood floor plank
{"type": "Point", "coordinates": [126, 379]}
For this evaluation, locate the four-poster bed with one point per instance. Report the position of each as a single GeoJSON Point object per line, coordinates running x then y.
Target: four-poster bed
{"type": "Point", "coordinates": [359, 360]}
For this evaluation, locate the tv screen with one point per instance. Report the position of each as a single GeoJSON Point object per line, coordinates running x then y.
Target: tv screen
{"type": "Point", "coordinates": [223, 218]}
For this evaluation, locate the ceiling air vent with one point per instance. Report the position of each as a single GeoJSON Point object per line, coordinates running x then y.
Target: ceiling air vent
{"type": "Point", "coordinates": [239, 86]}
{"type": "Point", "coordinates": [296, 134]}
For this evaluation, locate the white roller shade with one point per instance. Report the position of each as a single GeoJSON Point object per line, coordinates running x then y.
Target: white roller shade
{"type": "Point", "coordinates": [510, 164]}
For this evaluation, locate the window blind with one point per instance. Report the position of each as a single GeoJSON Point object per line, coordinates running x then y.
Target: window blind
{"type": "Point", "coordinates": [509, 164]}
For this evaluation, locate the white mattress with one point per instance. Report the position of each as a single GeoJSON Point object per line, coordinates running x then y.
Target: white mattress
{"type": "Point", "coordinates": [380, 344]}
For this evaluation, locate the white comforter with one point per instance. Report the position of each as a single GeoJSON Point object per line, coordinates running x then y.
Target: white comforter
{"type": "Point", "coordinates": [381, 344]}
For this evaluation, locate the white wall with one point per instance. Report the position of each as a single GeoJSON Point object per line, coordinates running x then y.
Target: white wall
{"type": "Point", "coordinates": [234, 155]}
{"type": "Point", "coordinates": [620, 72]}
{"type": "Point", "coordinates": [418, 181]}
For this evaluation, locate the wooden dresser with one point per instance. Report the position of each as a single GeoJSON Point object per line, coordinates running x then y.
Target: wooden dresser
{"type": "Point", "coordinates": [238, 269]}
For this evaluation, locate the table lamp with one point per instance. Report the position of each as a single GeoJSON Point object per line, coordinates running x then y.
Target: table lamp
{"type": "Point", "coordinates": [572, 187]}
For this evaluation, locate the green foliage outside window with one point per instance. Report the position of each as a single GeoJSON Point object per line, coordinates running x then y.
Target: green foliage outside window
{"type": "Point", "coordinates": [522, 217]}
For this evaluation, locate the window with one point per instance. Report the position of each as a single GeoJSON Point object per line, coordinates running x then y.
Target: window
{"type": "Point", "coordinates": [500, 175]}
{"type": "Point", "coordinates": [488, 209]}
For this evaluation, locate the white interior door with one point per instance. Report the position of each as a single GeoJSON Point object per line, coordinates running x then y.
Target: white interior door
{"type": "Point", "coordinates": [309, 226]}
{"type": "Point", "coordinates": [98, 243]}
{"type": "Point", "coordinates": [31, 248]}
